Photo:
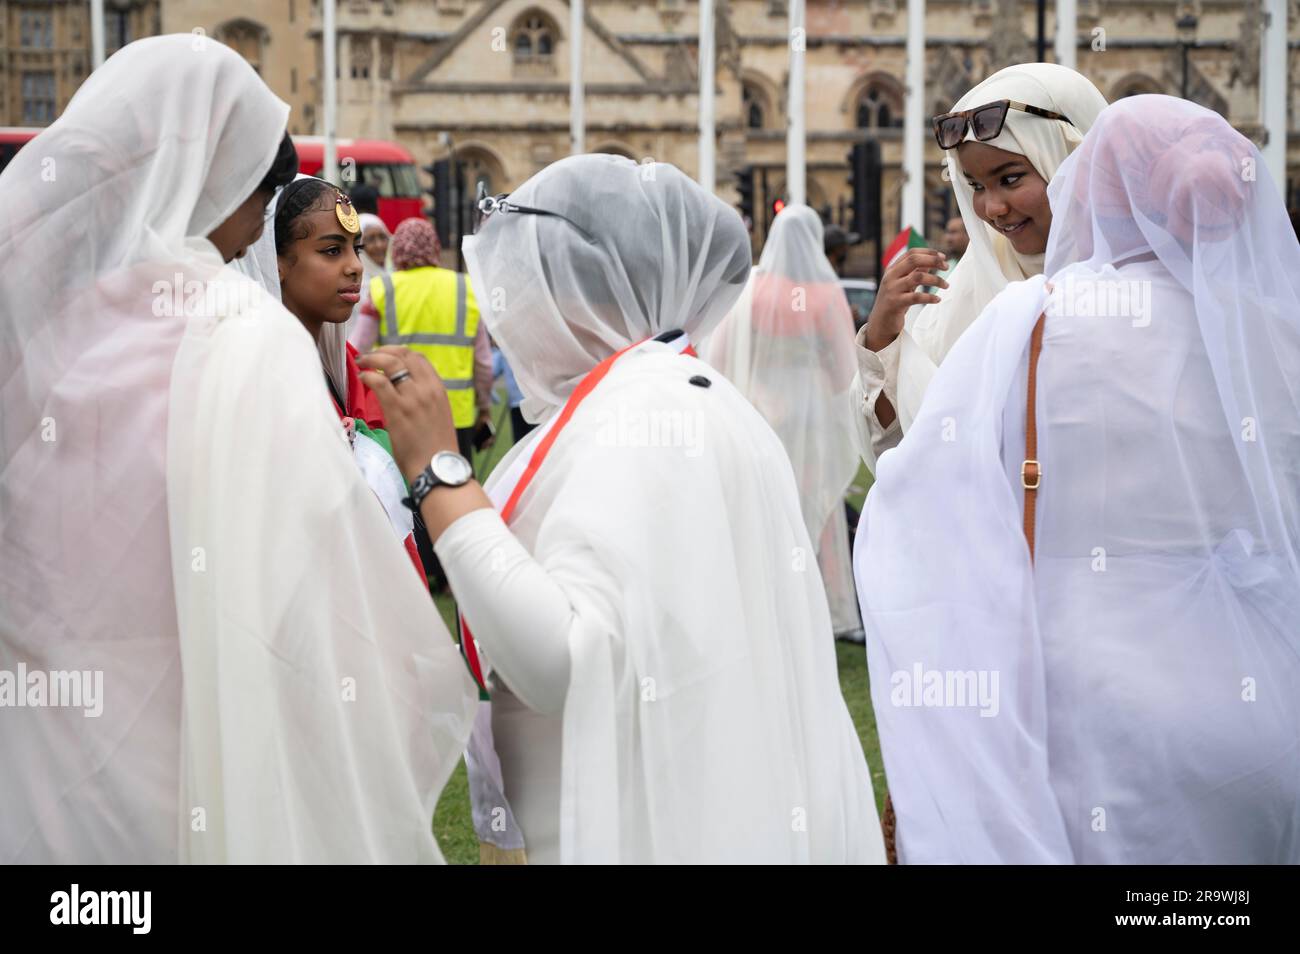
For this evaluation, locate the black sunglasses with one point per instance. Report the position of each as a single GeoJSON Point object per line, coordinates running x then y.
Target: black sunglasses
{"type": "Point", "coordinates": [984, 121]}
{"type": "Point", "coordinates": [488, 204]}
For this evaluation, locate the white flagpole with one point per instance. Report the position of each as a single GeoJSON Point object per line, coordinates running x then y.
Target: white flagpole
{"type": "Point", "coordinates": [96, 34]}
{"type": "Point", "coordinates": [708, 161]}
{"type": "Point", "coordinates": [1067, 33]}
{"type": "Point", "coordinates": [577, 129]}
{"type": "Point", "coordinates": [1273, 89]}
{"type": "Point", "coordinates": [913, 211]}
{"type": "Point", "coordinates": [329, 39]}
{"type": "Point", "coordinates": [795, 155]}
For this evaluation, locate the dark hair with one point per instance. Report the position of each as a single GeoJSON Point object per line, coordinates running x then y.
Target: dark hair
{"type": "Point", "coordinates": [283, 167]}
{"type": "Point", "coordinates": [365, 198]}
{"type": "Point", "coordinates": [297, 199]}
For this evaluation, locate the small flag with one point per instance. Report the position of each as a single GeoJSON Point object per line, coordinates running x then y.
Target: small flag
{"type": "Point", "coordinates": [908, 238]}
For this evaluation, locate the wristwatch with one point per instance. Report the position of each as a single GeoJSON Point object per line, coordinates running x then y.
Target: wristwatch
{"type": "Point", "coordinates": [446, 469]}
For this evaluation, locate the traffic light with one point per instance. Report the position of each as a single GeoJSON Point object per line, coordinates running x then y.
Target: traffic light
{"type": "Point", "coordinates": [443, 208]}
{"type": "Point", "coordinates": [745, 186]}
{"type": "Point", "coordinates": [864, 179]}
{"type": "Point", "coordinates": [777, 206]}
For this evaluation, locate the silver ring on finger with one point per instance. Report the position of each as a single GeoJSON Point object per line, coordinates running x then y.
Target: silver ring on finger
{"type": "Point", "coordinates": [399, 377]}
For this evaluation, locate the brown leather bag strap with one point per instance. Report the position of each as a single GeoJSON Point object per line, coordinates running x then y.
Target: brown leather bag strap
{"type": "Point", "coordinates": [1031, 472]}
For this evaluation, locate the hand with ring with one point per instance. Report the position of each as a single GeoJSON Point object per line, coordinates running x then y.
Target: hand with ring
{"type": "Point", "coordinates": [417, 411]}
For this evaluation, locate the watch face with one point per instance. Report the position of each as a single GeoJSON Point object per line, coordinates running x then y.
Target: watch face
{"type": "Point", "coordinates": [451, 468]}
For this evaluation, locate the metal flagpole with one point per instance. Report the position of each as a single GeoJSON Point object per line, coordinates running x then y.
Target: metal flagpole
{"type": "Point", "coordinates": [577, 131]}
{"type": "Point", "coordinates": [708, 161]}
{"type": "Point", "coordinates": [1067, 33]}
{"type": "Point", "coordinates": [96, 34]}
{"type": "Point", "coordinates": [1273, 88]}
{"type": "Point", "coordinates": [795, 156]}
{"type": "Point", "coordinates": [913, 210]}
{"type": "Point", "coordinates": [329, 38]}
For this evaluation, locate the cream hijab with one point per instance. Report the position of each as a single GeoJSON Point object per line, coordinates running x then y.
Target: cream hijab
{"type": "Point", "coordinates": [990, 262]}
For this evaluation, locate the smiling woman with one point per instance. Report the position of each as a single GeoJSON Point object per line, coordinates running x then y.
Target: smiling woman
{"type": "Point", "coordinates": [1008, 194]}
{"type": "Point", "coordinates": [999, 169]}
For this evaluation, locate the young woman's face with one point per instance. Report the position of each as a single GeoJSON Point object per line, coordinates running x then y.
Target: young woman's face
{"type": "Point", "coordinates": [376, 244]}
{"type": "Point", "coordinates": [1010, 195]}
{"type": "Point", "coordinates": [320, 274]}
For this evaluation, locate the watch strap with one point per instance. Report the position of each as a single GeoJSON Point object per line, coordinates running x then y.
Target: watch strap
{"type": "Point", "coordinates": [424, 482]}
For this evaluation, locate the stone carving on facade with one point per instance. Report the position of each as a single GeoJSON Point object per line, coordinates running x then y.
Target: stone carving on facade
{"type": "Point", "coordinates": [1008, 43]}
{"type": "Point", "coordinates": [679, 65]}
{"type": "Point", "coordinates": [671, 12]}
{"type": "Point", "coordinates": [726, 39]}
{"type": "Point", "coordinates": [1088, 13]}
{"type": "Point", "coordinates": [883, 11]}
{"type": "Point", "coordinates": [1199, 89]}
{"type": "Point", "coordinates": [948, 77]}
{"type": "Point", "coordinates": [1245, 52]}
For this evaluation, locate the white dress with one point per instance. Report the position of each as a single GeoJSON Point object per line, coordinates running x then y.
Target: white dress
{"type": "Point", "coordinates": [673, 688]}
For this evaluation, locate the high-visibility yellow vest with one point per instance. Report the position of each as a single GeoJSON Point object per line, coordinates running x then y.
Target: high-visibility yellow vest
{"type": "Point", "coordinates": [432, 310]}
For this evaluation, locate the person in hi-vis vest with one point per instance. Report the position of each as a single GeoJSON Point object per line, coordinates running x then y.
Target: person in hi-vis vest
{"type": "Point", "coordinates": [432, 310]}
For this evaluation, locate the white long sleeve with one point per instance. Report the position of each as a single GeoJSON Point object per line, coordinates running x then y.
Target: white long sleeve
{"type": "Point", "coordinates": [515, 609]}
{"type": "Point", "coordinates": [877, 373]}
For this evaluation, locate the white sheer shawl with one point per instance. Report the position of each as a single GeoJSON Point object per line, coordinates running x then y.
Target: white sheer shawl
{"type": "Point", "coordinates": [178, 512]}
{"type": "Point", "coordinates": [703, 720]}
{"type": "Point", "coordinates": [1144, 700]}
{"type": "Point", "coordinates": [787, 345]}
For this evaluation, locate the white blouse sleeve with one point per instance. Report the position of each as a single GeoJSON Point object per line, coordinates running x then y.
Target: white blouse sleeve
{"type": "Point", "coordinates": [515, 609]}
{"type": "Point", "coordinates": [877, 373]}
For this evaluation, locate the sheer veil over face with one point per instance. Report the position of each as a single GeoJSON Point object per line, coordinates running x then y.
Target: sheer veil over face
{"type": "Point", "coordinates": [1164, 587]}
{"type": "Point", "coordinates": [1190, 192]}
{"type": "Point", "coordinates": [787, 345]}
{"type": "Point", "coordinates": [682, 558]}
{"type": "Point", "coordinates": [562, 294]}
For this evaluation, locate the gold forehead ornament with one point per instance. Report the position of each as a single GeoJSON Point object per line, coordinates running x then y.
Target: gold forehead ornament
{"type": "Point", "coordinates": [347, 215]}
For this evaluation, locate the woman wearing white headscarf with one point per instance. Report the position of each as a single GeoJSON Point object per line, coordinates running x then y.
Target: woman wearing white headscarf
{"type": "Point", "coordinates": [787, 346]}
{"type": "Point", "coordinates": [179, 513]}
{"type": "Point", "coordinates": [1143, 649]}
{"type": "Point", "coordinates": [910, 331]}
{"type": "Point", "coordinates": [664, 684]}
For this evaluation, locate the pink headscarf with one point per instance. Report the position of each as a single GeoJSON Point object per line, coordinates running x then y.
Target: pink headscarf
{"type": "Point", "coordinates": [415, 244]}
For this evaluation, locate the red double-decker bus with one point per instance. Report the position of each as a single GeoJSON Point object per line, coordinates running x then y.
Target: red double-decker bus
{"type": "Point", "coordinates": [380, 163]}
{"type": "Point", "coordinates": [385, 165]}
{"type": "Point", "coordinates": [13, 138]}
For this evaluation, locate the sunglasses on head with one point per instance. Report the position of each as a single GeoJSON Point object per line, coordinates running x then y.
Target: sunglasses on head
{"type": "Point", "coordinates": [488, 204]}
{"type": "Point", "coordinates": [985, 122]}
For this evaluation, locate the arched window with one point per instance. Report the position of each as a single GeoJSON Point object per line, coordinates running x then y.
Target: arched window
{"type": "Point", "coordinates": [1135, 84]}
{"type": "Point", "coordinates": [754, 105]}
{"type": "Point", "coordinates": [246, 38]}
{"type": "Point", "coordinates": [615, 149]}
{"type": "Point", "coordinates": [479, 165]}
{"type": "Point", "coordinates": [879, 108]}
{"type": "Point", "coordinates": [534, 37]}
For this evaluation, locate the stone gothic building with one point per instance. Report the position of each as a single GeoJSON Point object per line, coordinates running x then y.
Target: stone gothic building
{"type": "Point", "coordinates": [490, 78]}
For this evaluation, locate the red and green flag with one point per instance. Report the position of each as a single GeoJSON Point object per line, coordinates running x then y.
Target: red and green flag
{"type": "Point", "coordinates": [908, 238]}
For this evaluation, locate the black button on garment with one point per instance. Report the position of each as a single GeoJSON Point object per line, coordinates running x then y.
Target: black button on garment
{"type": "Point", "coordinates": [700, 381]}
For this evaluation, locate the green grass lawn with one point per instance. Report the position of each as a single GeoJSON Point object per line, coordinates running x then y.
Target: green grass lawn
{"type": "Point", "coordinates": [451, 821]}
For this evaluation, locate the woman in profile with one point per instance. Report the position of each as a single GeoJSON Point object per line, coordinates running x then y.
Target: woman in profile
{"type": "Point", "coordinates": [179, 510]}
